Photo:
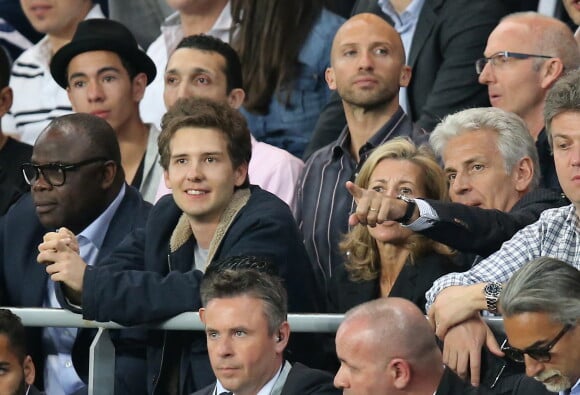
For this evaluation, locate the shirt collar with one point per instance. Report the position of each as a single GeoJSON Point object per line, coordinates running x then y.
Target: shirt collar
{"type": "Point", "coordinates": [386, 132]}
{"type": "Point", "coordinates": [410, 14]}
{"type": "Point", "coordinates": [97, 230]}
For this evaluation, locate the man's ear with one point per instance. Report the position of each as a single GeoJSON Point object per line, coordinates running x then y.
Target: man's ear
{"type": "Point", "coordinates": [523, 174]}
{"type": "Point", "coordinates": [6, 97]}
{"type": "Point", "coordinates": [202, 315]}
{"type": "Point", "coordinates": [240, 174]}
{"type": "Point", "coordinates": [551, 71]}
{"type": "Point", "coordinates": [29, 370]}
{"type": "Point", "coordinates": [400, 373]}
{"type": "Point", "coordinates": [109, 174]}
{"type": "Point", "coordinates": [405, 77]}
{"type": "Point", "coordinates": [281, 337]}
{"type": "Point", "coordinates": [236, 98]}
{"type": "Point", "coordinates": [329, 77]}
{"type": "Point", "coordinates": [138, 86]}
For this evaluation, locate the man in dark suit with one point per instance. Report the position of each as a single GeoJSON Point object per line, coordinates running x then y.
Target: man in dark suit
{"type": "Point", "coordinates": [442, 40]}
{"type": "Point", "coordinates": [492, 166]}
{"type": "Point", "coordinates": [76, 182]}
{"type": "Point", "coordinates": [245, 317]}
{"type": "Point", "coordinates": [387, 346]}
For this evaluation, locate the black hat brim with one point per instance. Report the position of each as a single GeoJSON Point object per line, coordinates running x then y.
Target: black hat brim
{"type": "Point", "coordinates": [62, 58]}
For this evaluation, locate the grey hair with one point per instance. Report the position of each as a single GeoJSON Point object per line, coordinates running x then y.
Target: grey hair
{"type": "Point", "coordinates": [562, 97]}
{"type": "Point", "coordinates": [514, 139]}
{"type": "Point", "coordinates": [550, 37]}
{"type": "Point", "coordinates": [544, 285]}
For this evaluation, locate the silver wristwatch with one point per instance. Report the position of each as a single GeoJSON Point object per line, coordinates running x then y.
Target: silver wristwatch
{"type": "Point", "coordinates": [491, 291]}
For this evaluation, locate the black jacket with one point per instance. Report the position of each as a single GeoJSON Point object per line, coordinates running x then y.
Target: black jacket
{"type": "Point", "coordinates": [24, 282]}
{"type": "Point", "coordinates": [153, 281]}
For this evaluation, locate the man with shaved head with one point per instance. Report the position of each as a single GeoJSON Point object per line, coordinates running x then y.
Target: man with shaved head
{"type": "Point", "coordinates": [387, 346]}
{"type": "Point", "coordinates": [367, 70]}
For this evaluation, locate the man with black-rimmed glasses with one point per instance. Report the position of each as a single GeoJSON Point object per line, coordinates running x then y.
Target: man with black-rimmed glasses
{"type": "Point", "coordinates": [525, 54]}
{"type": "Point", "coordinates": [77, 182]}
{"type": "Point", "coordinates": [541, 309]}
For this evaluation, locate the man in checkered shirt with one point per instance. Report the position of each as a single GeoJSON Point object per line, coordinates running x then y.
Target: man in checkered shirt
{"type": "Point", "coordinates": [455, 300]}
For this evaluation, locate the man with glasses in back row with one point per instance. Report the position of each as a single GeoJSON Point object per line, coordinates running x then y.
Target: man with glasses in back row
{"type": "Point", "coordinates": [76, 181]}
{"type": "Point", "coordinates": [525, 55]}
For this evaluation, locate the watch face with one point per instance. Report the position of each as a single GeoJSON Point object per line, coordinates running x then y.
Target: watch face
{"type": "Point", "coordinates": [493, 289]}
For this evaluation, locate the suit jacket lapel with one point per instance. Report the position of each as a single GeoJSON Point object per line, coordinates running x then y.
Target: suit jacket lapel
{"type": "Point", "coordinates": [425, 24]}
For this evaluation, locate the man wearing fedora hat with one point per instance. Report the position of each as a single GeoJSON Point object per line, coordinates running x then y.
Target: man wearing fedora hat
{"type": "Point", "coordinates": [37, 98]}
{"type": "Point", "coordinates": [105, 74]}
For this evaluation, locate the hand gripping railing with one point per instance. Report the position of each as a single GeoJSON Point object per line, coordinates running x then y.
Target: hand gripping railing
{"type": "Point", "coordinates": [102, 352]}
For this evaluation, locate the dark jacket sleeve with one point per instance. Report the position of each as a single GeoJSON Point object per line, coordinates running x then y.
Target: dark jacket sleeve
{"type": "Point", "coordinates": [475, 230]}
{"type": "Point", "coordinates": [121, 291]}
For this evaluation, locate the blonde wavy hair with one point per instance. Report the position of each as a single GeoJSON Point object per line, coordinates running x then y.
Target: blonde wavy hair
{"type": "Point", "coordinates": [362, 255]}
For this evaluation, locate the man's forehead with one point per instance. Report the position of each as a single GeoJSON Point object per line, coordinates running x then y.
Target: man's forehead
{"type": "Point", "coordinates": [61, 145]}
{"type": "Point", "coordinates": [192, 58]}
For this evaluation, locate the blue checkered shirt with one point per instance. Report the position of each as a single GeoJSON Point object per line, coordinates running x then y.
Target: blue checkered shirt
{"type": "Point", "coordinates": [556, 234]}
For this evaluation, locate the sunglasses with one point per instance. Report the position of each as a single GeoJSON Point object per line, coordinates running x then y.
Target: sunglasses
{"type": "Point", "coordinates": [540, 354]}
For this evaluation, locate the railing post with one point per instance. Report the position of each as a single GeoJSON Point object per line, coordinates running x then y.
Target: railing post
{"type": "Point", "coordinates": [102, 364]}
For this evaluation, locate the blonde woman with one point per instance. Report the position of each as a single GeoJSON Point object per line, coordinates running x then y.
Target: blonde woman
{"type": "Point", "coordinates": [389, 259]}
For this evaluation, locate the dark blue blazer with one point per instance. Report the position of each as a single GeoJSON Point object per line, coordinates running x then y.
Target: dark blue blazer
{"type": "Point", "coordinates": [23, 282]}
{"type": "Point", "coordinates": [152, 283]}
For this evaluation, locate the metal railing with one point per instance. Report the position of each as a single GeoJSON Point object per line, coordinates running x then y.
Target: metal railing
{"type": "Point", "coordinates": [102, 351]}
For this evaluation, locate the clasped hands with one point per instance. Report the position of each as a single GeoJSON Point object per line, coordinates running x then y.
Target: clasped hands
{"type": "Point", "coordinates": [455, 318]}
{"type": "Point", "coordinates": [59, 252]}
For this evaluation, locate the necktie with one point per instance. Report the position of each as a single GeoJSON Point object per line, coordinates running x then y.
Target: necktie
{"type": "Point", "coordinates": [226, 393]}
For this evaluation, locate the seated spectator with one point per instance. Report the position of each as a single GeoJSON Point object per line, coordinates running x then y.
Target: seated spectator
{"type": "Point", "coordinates": [459, 297]}
{"type": "Point", "coordinates": [214, 213]}
{"type": "Point", "coordinates": [492, 166]}
{"type": "Point", "coordinates": [37, 98]}
{"type": "Point", "coordinates": [76, 182]}
{"type": "Point", "coordinates": [284, 47]}
{"type": "Point", "coordinates": [541, 311]}
{"type": "Point", "coordinates": [387, 346]}
{"type": "Point", "coordinates": [245, 317]}
{"type": "Point", "coordinates": [105, 74]}
{"type": "Point", "coordinates": [525, 55]}
{"type": "Point", "coordinates": [191, 17]}
{"type": "Point", "coordinates": [18, 371]}
{"type": "Point", "coordinates": [441, 39]}
{"type": "Point", "coordinates": [367, 69]}
{"type": "Point", "coordinates": [388, 259]}
{"type": "Point", "coordinates": [205, 66]}
{"type": "Point", "coordinates": [12, 152]}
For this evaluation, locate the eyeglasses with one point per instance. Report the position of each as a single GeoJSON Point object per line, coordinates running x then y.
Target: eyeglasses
{"type": "Point", "coordinates": [540, 354]}
{"type": "Point", "coordinates": [53, 173]}
{"type": "Point", "coordinates": [501, 58]}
